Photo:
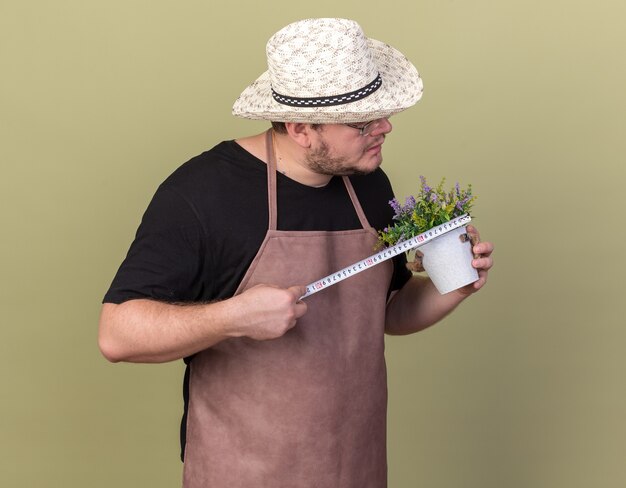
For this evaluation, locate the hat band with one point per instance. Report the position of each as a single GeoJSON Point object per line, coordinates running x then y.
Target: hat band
{"type": "Point", "coordinates": [329, 101]}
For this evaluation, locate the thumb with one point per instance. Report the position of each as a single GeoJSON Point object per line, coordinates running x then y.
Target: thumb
{"type": "Point", "coordinates": [298, 291]}
{"type": "Point", "coordinates": [300, 306]}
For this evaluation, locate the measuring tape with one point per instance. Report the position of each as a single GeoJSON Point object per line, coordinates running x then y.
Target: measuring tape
{"type": "Point", "coordinates": [384, 255]}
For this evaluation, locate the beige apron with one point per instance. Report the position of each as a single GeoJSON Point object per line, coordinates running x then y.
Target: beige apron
{"type": "Point", "coordinates": [307, 410]}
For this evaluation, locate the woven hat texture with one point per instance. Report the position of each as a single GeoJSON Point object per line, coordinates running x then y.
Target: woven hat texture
{"type": "Point", "coordinates": [327, 71]}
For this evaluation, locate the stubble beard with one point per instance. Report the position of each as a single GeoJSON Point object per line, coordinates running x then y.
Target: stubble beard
{"type": "Point", "coordinates": [319, 161]}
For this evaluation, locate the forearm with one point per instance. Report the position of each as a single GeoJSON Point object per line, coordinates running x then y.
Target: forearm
{"type": "Point", "coordinates": [418, 305]}
{"type": "Point", "coordinates": [152, 332]}
{"type": "Point", "coordinates": [148, 331]}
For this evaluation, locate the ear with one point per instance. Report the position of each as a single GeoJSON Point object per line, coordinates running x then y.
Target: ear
{"type": "Point", "coordinates": [300, 133]}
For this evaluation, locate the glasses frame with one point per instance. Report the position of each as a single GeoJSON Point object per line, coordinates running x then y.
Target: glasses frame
{"type": "Point", "coordinates": [369, 127]}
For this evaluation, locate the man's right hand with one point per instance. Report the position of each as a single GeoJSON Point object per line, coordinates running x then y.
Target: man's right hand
{"type": "Point", "coordinates": [266, 311]}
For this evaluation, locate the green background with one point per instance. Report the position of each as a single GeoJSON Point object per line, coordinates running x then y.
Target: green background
{"type": "Point", "coordinates": [525, 99]}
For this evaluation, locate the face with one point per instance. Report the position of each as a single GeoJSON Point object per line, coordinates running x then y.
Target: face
{"type": "Point", "coordinates": [340, 150]}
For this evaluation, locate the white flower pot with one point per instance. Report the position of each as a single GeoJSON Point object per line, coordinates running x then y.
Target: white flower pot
{"type": "Point", "coordinates": [448, 261]}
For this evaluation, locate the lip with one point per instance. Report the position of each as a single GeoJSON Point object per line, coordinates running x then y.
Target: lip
{"type": "Point", "coordinates": [377, 144]}
{"type": "Point", "coordinates": [375, 148]}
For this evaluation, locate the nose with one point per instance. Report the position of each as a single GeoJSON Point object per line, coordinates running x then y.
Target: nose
{"type": "Point", "coordinates": [382, 127]}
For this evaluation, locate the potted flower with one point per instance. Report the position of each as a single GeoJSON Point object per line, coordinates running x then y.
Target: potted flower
{"type": "Point", "coordinates": [447, 259]}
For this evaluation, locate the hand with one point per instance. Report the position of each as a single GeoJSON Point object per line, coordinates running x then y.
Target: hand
{"type": "Point", "coordinates": [267, 312]}
{"type": "Point", "coordinates": [482, 261]}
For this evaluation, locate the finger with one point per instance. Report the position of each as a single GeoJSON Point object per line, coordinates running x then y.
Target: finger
{"type": "Point", "coordinates": [474, 238]}
{"type": "Point", "coordinates": [417, 264]}
{"type": "Point", "coordinates": [484, 249]}
{"type": "Point", "coordinates": [477, 285]}
{"type": "Point", "coordinates": [478, 248]}
{"type": "Point", "coordinates": [473, 231]}
{"type": "Point", "coordinates": [301, 308]}
{"type": "Point", "coordinates": [297, 291]}
{"type": "Point", "coordinates": [483, 263]}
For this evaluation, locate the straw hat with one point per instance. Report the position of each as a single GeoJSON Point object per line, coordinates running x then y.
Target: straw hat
{"type": "Point", "coordinates": [326, 71]}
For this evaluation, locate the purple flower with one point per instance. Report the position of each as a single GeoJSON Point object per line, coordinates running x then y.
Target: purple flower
{"type": "Point", "coordinates": [395, 205]}
{"type": "Point", "coordinates": [425, 187]}
{"type": "Point", "coordinates": [461, 203]}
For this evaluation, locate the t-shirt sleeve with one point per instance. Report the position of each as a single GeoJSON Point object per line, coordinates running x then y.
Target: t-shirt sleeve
{"type": "Point", "coordinates": [166, 259]}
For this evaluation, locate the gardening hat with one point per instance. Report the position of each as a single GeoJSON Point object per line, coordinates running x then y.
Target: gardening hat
{"type": "Point", "coordinates": [325, 71]}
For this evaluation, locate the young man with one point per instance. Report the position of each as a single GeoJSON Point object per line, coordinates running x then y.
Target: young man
{"type": "Point", "coordinates": [282, 391]}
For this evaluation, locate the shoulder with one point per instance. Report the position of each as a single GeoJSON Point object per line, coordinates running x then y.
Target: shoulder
{"type": "Point", "coordinates": [204, 186]}
{"type": "Point", "coordinates": [224, 170]}
{"type": "Point", "coordinates": [226, 159]}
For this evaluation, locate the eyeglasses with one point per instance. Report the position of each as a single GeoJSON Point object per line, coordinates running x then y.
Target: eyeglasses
{"type": "Point", "coordinates": [368, 128]}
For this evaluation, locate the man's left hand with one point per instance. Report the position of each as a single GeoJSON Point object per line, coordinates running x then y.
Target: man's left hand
{"type": "Point", "coordinates": [482, 261]}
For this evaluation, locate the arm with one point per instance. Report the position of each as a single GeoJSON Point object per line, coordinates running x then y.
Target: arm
{"type": "Point", "coordinates": [418, 304]}
{"type": "Point", "coordinates": [150, 331]}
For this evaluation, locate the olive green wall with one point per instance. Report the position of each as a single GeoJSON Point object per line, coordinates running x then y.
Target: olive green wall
{"type": "Point", "coordinates": [525, 99]}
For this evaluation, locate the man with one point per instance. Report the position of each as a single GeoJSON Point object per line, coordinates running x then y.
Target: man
{"type": "Point", "coordinates": [282, 391]}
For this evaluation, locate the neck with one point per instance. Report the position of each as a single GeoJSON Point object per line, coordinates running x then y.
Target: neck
{"type": "Point", "coordinates": [291, 161]}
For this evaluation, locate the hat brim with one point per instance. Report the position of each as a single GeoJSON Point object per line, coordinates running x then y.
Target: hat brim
{"type": "Point", "coordinates": [401, 88]}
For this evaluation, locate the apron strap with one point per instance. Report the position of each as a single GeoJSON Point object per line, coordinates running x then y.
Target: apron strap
{"type": "Point", "coordinates": [355, 202]}
{"type": "Point", "coordinates": [271, 179]}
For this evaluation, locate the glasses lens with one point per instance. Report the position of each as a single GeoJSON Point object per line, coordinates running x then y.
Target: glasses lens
{"type": "Point", "coordinates": [370, 127]}
{"type": "Point", "coordinates": [367, 128]}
